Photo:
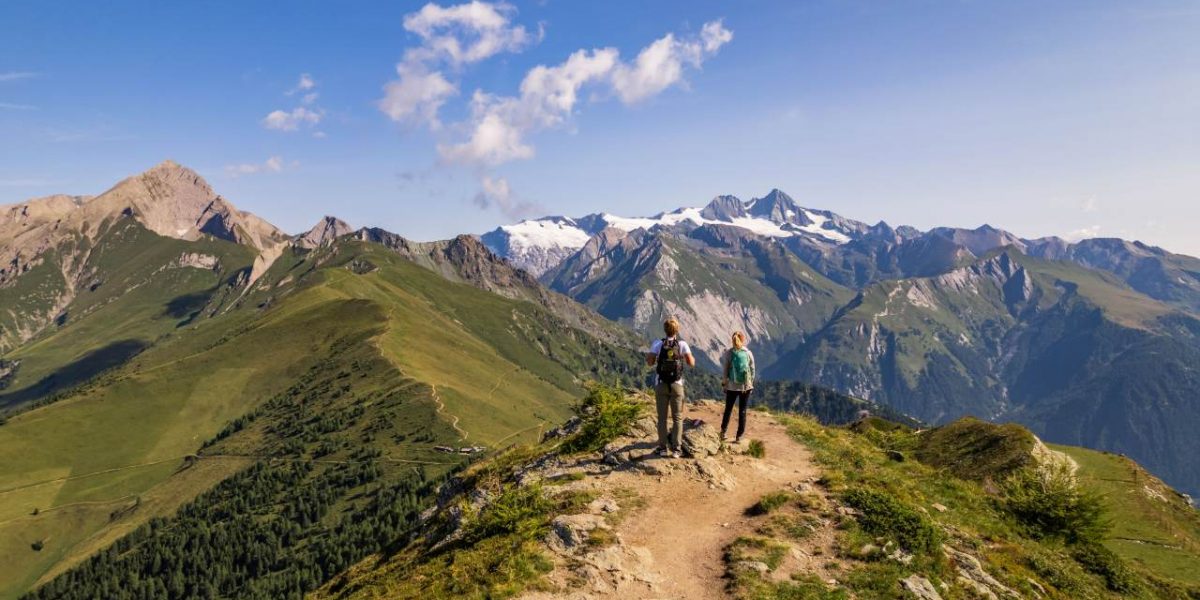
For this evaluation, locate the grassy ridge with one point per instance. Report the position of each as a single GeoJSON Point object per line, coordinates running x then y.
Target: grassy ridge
{"type": "Point", "coordinates": [1152, 526]}
{"type": "Point", "coordinates": [457, 355]}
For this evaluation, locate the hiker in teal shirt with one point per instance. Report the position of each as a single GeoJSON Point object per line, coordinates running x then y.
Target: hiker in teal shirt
{"type": "Point", "coordinates": [737, 366]}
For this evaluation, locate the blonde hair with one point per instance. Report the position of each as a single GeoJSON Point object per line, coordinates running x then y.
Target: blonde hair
{"type": "Point", "coordinates": [671, 327]}
{"type": "Point", "coordinates": [739, 339]}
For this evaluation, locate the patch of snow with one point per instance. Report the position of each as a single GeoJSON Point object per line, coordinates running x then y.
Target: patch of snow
{"type": "Point", "coordinates": [546, 234]}
{"type": "Point", "coordinates": [818, 228]}
{"type": "Point", "coordinates": [756, 225]}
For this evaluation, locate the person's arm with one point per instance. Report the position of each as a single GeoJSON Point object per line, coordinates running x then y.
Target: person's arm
{"type": "Point", "coordinates": [652, 355]}
{"type": "Point", "coordinates": [752, 371]}
{"type": "Point", "coordinates": [688, 358]}
{"type": "Point", "coordinates": [726, 360]}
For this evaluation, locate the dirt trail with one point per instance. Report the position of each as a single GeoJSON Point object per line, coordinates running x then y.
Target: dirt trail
{"type": "Point", "coordinates": [686, 525]}
{"type": "Point", "coordinates": [441, 409]}
{"type": "Point", "coordinates": [673, 545]}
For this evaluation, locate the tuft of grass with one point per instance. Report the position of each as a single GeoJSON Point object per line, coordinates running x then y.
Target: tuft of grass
{"type": "Point", "coordinates": [796, 527]}
{"type": "Point", "coordinates": [769, 503]}
{"type": "Point", "coordinates": [606, 413]}
{"type": "Point", "coordinates": [520, 510]}
{"type": "Point", "coordinates": [759, 549]}
{"type": "Point", "coordinates": [756, 449]}
{"type": "Point", "coordinates": [885, 515]}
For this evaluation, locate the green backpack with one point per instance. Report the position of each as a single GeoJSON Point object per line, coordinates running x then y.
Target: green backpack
{"type": "Point", "coordinates": [739, 366]}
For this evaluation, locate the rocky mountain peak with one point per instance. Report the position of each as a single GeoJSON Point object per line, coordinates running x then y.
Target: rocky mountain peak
{"type": "Point", "coordinates": [324, 232]}
{"type": "Point", "coordinates": [779, 207]}
{"type": "Point", "coordinates": [724, 208]}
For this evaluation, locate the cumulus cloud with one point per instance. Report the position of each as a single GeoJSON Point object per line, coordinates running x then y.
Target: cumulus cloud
{"type": "Point", "coordinates": [308, 115]}
{"type": "Point", "coordinates": [417, 95]}
{"type": "Point", "coordinates": [281, 120]}
{"type": "Point", "coordinates": [451, 36]}
{"type": "Point", "coordinates": [548, 94]}
{"type": "Point", "coordinates": [274, 164]}
{"type": "Point", "coordinates": [495, 191]}
{"type": "Point", "coordinates": [498, 128]}
{"type": "Point", "coordinates": [660, 65]}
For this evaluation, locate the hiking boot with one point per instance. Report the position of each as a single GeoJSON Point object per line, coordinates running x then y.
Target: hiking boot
{"type": "Point", "coordinates": [676, 454]}
{"type": "Point", "coordinates": [660, 451]}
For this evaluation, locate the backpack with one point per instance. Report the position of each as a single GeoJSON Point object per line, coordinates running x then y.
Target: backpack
{"type": "Point", "coordinates": [739, 366]}
{"type": "Point", "coordinates": [670, 363]}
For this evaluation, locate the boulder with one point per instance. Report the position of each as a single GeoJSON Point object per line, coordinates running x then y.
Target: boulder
{"type": "Point", "coordinates": [972, 575]}
{"type": "Point", "coordinates": [920, 587]}
{"type": "Point", "coordinates": [700, 439]}
{"type": "Point", "coordinates": [752, 565]}
{"type": "Point", "coordinates": [568, 532]}
{"type": "Point", "coordinates": [714, 474]}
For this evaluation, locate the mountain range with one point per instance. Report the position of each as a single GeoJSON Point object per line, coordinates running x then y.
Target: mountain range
{"type": "Point", "coordinates": [162, 351]}
{"type": "Point", "coordinates": [1092, 343]}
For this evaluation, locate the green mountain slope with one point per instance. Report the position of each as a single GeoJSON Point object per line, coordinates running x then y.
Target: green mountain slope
{"type": "Point", "coordinates": [481, 369]}
{"type": "Point", "coordinates": [967, 510]}
{"type": "Point", "coordinates": [130, 287]}
{"type": "Point", "coordinates": [1072, 353]}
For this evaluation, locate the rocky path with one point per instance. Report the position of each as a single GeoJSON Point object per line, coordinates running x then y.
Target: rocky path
{"type": "Point", "coordinates": [677, 516]}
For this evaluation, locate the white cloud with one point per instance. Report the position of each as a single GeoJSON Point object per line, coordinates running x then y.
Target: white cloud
{"type": "Point", "coordinates": [274, 164]}
{"type": "Point", "coordinates": [1088, 205]}
{"type": "Point", "coordinates": [16, 75]}
{"type": "Point", "coordinates": [660, 65]}
{"type": "Point", "coordinates": [465, 33]}
{"type": "Point", "coordinates": [1082, 233]}
{"type": "Point", "coordinates": [548, 95]}
{"type": "Point", "coordinates": [455, 36]}
{"type": "Point", "coordinates": [10, 106]}
{"type": "Point", "coordinates": [301, 116]}
{"type": "Point", "coordinates": [495, 191]}
{"type": "Point", "coordinates": [417, 95]}
{"type": "Point", "coordinates": [280, 120]}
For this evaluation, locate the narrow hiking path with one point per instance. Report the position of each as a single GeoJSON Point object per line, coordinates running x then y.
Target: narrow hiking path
{"type": "Point", "coordinates": [679, 516]}
{"type": "Point", "coordinates": [688, 523]}
{"type": "Point", "coordinates": [441, 410]}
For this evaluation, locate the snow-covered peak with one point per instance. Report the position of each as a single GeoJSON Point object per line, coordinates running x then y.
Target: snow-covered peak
{"type": "Point", "coordinates": [556, 232]}
{"type": "Point", "coordinates": [538, 245]}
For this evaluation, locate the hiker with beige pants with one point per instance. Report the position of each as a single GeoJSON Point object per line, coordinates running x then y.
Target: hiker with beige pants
{"type": "Point", "coordinates": [669, 356]}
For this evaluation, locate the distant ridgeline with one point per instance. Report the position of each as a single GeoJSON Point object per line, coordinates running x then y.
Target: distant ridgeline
{"type": "Point", "coordinates": [197, 404]}
{"type": "Point", "coordinates": [1090, 343]}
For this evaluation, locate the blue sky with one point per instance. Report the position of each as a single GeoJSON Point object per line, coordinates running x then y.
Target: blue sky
{"type": "Point", "coordinates": [1046, 118]}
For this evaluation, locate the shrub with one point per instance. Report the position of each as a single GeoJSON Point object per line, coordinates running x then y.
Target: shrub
{"type": "Point", "coordinates": [605, 414]}
{"type": "Point", "coordinates": [886, 516]}
{"type": "Point", "coordinates": [1048, 503]}
{"type": "Point", "coordinates": [756, 449]}
{"type": "Point", "coordinates": [1104, 562]}
{"type": "Point", "coordinates": [521, 510]}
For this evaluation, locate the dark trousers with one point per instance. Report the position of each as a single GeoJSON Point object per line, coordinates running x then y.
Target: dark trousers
{"type": "Point", "coordinates": [742, 398]}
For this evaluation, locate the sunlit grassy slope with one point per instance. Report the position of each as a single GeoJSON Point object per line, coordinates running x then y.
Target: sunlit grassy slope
{"type": "Point", "coordinates": [469, 366]}
{"type": "Point", "coordinates": [1152, 525]}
